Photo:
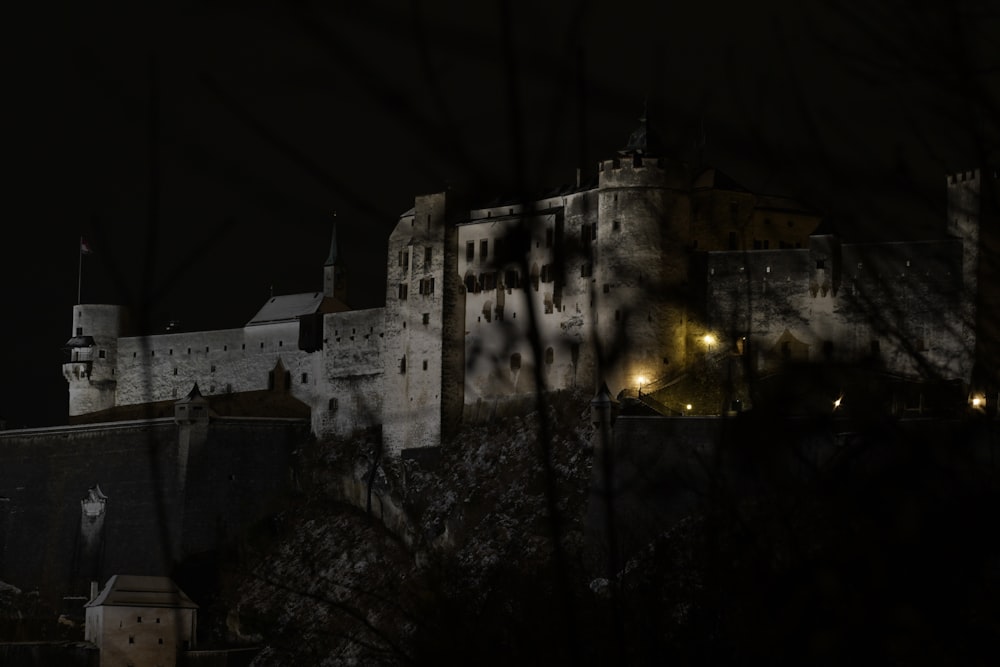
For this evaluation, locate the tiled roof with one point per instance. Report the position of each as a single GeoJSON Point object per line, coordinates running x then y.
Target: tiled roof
{"type": "Point", "coordinates": [129, 590]}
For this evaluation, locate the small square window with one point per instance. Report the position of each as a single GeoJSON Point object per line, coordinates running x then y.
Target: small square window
{"type": "Point", "coordinates": [425, 364]}
{"type": "Point", "coordinates": [131, 639]}
{"type": "Point", "coordinates": [820, 264]}
{"type": "Point", "coordinates": [305, 378]}
{"type": "Point", "coordinates": [427, 318]}
{"type": "Point", "coordinates": [101, 354]}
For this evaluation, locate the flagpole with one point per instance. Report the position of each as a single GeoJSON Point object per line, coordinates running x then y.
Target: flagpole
{"type": "Point", "coordinates": [79, 272]}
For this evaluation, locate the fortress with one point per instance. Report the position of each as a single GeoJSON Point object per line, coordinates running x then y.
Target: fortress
{"type": "Point", "coordinates": [634, 281]}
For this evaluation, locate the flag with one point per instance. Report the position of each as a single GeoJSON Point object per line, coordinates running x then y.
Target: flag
{"type": "Point", "coordinates": [85, 247]}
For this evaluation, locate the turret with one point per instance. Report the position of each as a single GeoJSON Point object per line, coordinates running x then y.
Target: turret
{"type": "Point", "coordinates": [92, 355]}
{"type": "Point", "coordinates": [963, 221]}
{"type": "Point", "coordinates": [641, 259]}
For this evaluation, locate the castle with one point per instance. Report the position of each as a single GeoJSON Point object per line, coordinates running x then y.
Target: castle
{"type": "Point", "coordinates": [626, 281]}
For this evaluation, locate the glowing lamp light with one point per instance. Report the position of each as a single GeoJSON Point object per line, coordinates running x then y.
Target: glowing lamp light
{"type": "Point", "coordinates": [977, 401]}
{"type": "Point", "coordinates": [836, 403]}
{"type": "Point", "coordinates": [688, 406]}
{"type": "Point", "coordinates": [708, 339]}
{"type": "Point", "coordinates": [640, 380]}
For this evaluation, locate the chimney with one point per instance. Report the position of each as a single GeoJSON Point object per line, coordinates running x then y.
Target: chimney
{"type": "Point", "coordinates": [93, 590]}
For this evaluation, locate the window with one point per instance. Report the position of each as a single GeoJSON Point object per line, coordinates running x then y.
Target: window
{"type": "Point", "coordinates": [607, 288]}
{"type": "Point", "coordinates": [171, 351]}
{"type": "Point", "coordinates": [484, 247]}
{"type": "Point", "coordinates": [152, 353]}
{"type": "Point", "coordinates": [547, 273]}
{"type": "Point", "coordinates": [305, 378]}
{"type": "Point", "coordinates": [586, 270]}
{"type": "Point", "coordinates": [515, 362]}
{"type": "Point", "coordinates": [512, 279]}
{"type": "Point", "coordinates": [549, 356]}
{"type": "Point", "coordinates": [820, 264]}
{"type": "Point", "coordinates": [101, 354]}
{"type": "Point", "coordinates": [585, 236]}
{"type": "Point", "coordinates": [160, 641]}
{"type": "Point", "coordinates": [212, 368]}
{"type": "Point", "coordinates": [767, 244]}
{"type": "Point", "coordinates": [593, 232]}
{"type": "Point", "coordinates": [488, 280]}
{"type": "Point", "coordinates": [756, 244]}
{"type": "Point", "coordinates": [79, 331]}
{"type": "Point", "coordinates": [427, 256]}
{"type": "Point", "coordinates": [470, 283]}
{"type": "Point", "coordinates": [403, 287]}
{"type": "Point", "coordinates": [332, 404]}
{"type": "Point", "coordinates": [425, 364]}
{"type": "Point", "coordinates": [426, 286]}
{"type": "Point", "coordinates": [470, 251]}
{"type": "Point", "coordinates": [427, 318]}
{"type": "Point", "coordinates": [616, 225]}
{"type": "Point", "coordinates": [131, 639]}
{"type": "Point", "coordinates": [138, 619]}
{"type": "Point", "coordinates": [402, 365]}
{"type": "Point", "coordinates": [732, 241]}
{"type": "Point", "coordinates": [175, 371]}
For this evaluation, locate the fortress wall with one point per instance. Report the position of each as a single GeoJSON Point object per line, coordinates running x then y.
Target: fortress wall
{"type": "Point", "coordinates": [878, 302]}
{"type": "Point", "coordinates": [498, 318]}
{"type": "Point", "coordinates": [233, 477]}
{"type": "Point", "coordinates": [349, 395]}
{"type": "Point", "coordinates": [163, 367]}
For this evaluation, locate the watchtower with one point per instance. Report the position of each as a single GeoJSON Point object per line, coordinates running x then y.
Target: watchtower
{"type": "Point", "coordinates": [92, 356]}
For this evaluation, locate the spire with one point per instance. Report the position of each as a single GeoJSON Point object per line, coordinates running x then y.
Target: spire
{"type": "Point", "coordinates": [331, 260]}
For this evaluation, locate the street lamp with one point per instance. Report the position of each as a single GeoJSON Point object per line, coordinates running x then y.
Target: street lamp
{"type": "Point", "coordinates": [640, 380]}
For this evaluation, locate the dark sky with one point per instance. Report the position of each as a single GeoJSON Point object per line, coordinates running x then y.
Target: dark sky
{"type": "Point", "coordinates": [269, 119]}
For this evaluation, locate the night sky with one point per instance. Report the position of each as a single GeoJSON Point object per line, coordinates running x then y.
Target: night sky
{"type": "Point", "coordinates": [257, 123]}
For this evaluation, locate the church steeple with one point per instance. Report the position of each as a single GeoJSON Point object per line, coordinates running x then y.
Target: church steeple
{"type": "Point", "coordinates": [333, 275]}
{"type": "Point", "coordinates": [331, 259]}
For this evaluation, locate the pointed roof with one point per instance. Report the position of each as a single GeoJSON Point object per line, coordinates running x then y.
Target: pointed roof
{"type": "Point", "coordinates": [130, 590]}
{"type": "Point", "coordinates": [193, 396]}
{"type": "Point", "coordinates": [331, 259]}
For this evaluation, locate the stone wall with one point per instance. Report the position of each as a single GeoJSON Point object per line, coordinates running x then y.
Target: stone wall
{"type": "Point", "coordinates": [161, 505]}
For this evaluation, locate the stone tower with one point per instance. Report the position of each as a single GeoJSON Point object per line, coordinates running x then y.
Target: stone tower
{"type": "Point", "coordinates": [641, 264]}
{"type": "Point", "coordinates": [424, 333]}
{"type": "Point", "coordinates": [963, 221]}
{"type": "Point", "coordinates": [92, 357]}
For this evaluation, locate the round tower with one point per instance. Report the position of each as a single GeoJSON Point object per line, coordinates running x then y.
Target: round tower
{"type": "Point", "coordinates": [92, 355]}
{"type": "Point", "coordinates": [641, 266]}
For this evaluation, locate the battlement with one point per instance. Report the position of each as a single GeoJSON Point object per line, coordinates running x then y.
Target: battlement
{"type": "Point", "coordinates": [959, 177]}
{"type": "Point", "coordinates": [631, 163]}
